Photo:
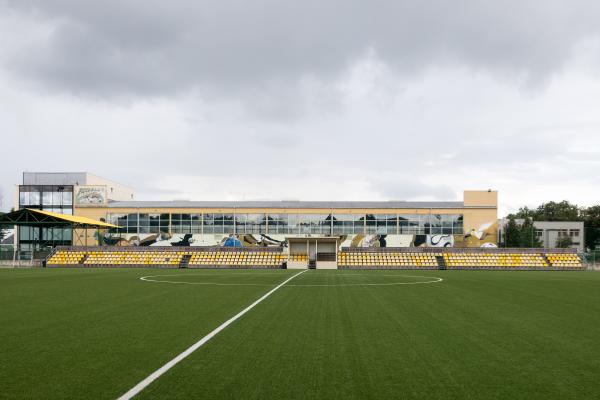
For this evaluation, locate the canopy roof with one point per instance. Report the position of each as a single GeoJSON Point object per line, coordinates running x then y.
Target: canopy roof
{"type": "Point", "coordinates": [32, 217]}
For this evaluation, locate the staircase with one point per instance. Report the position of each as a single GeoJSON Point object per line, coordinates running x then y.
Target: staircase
{"type": "Point", "coordinates": [548, 263]}
{"type": "Point", "coordinates": [185, 261]}
{"type": "Point", "coordinates": [312, 264]}
{"type": "Point", "coordinates": [441, 262]}
{"type": "Point", "coordinates": [84, 259]}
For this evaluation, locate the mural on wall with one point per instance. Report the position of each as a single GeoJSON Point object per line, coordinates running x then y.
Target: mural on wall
{"type": "Point", "coordinates": [484, 236]}
{"type": "Point", "coordinates": [433, 241]}
{"type": "Point", "coordinates": [188, 239]}
{"type": "Point", "coordinates": [90, 195]}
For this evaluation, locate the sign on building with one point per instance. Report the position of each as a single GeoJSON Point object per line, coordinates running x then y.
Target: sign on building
{"type": "Point", "coordinates": [90, 195]}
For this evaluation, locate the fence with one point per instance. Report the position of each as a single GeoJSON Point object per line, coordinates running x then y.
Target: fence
{"type": "Point", "coordinates": [591, 259]}
{"type": "Point", "coordinates": [15, 257]}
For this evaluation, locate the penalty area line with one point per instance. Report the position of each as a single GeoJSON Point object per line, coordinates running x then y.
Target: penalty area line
{"type": "Point", "coordinates": [156, 374]}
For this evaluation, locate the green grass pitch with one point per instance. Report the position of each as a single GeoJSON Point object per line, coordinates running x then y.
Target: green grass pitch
{"type": "Point", "coordinates": [96, 333]}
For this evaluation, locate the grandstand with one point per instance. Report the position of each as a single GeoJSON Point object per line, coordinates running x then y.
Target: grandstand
{"type": "Point", "coordinates": [209, 257]}
{"type": "Point", "coordinates": [346, 258]}
{"type": "Point", "coordinates": [96, 223]}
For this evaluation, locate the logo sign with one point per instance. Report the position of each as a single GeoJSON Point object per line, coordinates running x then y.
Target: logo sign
{"type": "Point", "coordinates": [90, 195]}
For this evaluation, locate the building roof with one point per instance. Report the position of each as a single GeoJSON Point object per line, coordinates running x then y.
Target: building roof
{"type": "Point", "coordinates": [33, 217]}
{"type": "Point", "coordinates": [287, 204]}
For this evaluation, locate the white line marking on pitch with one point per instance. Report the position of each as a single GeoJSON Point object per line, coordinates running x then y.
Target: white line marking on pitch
{"type": "Point", "coordinates": [437, 280]}
{"type": "Point", "coordinates": [156, 374]}
{"type": "Point", "coordinates": [434, 279]}
{"type": "Point", "coordinates": [147, 279]}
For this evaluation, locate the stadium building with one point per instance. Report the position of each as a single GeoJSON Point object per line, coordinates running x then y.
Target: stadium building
{"type": "Point", "coordinates": [327, 225]}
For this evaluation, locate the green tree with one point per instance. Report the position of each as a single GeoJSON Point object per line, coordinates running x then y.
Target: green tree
{"type": "Point", "coordinates": [524, 212]}
{"type": "Point", "coordinates": [562, 211]}
{"type": "Point", "coordinates": [591, 219]}
{"type": "Point", "coordinates": [564, 242]}
{"type": "Point", "coordinates": [528, 238]}
{"type": "Point", "coordinates": [512, 233]}
{"type": "Point", "coordinates": [565, 211]}
{"type": "Point", "coordinates": [552, 211]}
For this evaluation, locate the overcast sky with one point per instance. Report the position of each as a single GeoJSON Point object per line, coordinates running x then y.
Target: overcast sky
{"type": "Point", "coordinates": [306, 100]}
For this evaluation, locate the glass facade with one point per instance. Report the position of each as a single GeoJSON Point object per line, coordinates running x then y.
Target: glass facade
{"type": "Point", "coordinates": [53, 198]}
{"type": "Point", "coordinates": [184, 223]}
{"type": "Point", "coordinates": [250, 223]}
{"type": "Point", "coordinates": [348, 224]}
{"type": "Point", "coordinates": [383, 224]}
{"type": "Point", "coordinates": [430, 224]}
{"type": "Point", "coordinates": [290, 224]}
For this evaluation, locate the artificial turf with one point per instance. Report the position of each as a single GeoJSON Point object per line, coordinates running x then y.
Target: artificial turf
{"type": "Point", "coordinates": [477, 334]}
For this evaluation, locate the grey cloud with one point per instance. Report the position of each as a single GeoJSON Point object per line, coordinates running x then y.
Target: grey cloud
{"type": "Point", "coordinates": [423, 94]}
{"type": "Point", "coordinates": [407, 187]}
{"type": "Point", "coordinates": [135, 47]}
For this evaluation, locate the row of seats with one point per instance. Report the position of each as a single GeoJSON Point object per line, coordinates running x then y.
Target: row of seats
{"type": "Point", "coordinates": [494, 260]}
{"type": "Point", "coordinates": [564, 260]}
{"type": "Point", "coordinates": [167, 258]}
{"type": "Point", "coordinates": [387, 259]}
{"type": "Point", "coordinates": [67, 257]}
{"type": "Point", "coordinates": [346, 259]}
{"type": "Point", "coordinates": [298, 258]}
{"type": "Point", "coordinates": [239, 259]}
{"type": "Point", "coordinates": [171, 258]}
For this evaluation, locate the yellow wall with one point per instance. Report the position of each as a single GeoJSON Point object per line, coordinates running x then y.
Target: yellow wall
{"type": "Point", "coordinates": [480, 198]}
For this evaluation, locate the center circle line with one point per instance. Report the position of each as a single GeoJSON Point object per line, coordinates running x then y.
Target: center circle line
{"type": "Point", "coordinates": [148, 278]}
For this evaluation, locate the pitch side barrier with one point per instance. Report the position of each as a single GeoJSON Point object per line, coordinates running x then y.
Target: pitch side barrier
{"type": "Point", "coordinates": [459, 258]}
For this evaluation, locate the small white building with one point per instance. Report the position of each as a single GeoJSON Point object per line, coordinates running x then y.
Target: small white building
{"type": "Point", "coordinates": [550, 231]}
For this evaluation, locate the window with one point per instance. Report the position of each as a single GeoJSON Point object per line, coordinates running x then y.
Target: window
{"type": "Point", "coordinates": [128, 222]}
{"type": "Point", "coordinates": [181, 223]}
{"type": "Point", "coordinates": [409, 224]}
{"type": "Point", "coordinates": [277, 223]}
{"type": "Point", "coordinates": [457, 225]}
{"type": "Point", "coordinates": [218, 223]}
{"type": "Point", "coordinates": [196, 223]}
{"type": "Point", "coordinates": [132, 223]}
{"type": "Point", "coordinates": [434, 224]}
{"type": "Point", "coordinates": [208, 223]}
{"type": "Point", "coordinates": [383, 224]}
{"type": "Point", "coordinates": [157, 223]}
{"type": "Point", "coordinates": [250, 223]}
{"type": "Point", "coordinates": [315, 224]}
{"type": "Point", "coordinates": [346, 224]}
{"type": "Point", "coordinates": [52, 198]}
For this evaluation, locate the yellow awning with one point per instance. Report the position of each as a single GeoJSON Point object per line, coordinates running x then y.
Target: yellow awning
{"type": "Point", "coordinates": [74, 219]}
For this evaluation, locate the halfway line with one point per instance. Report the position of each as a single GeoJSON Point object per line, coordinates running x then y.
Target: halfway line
{"type": "Point", "coordinates": [156, 374]}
